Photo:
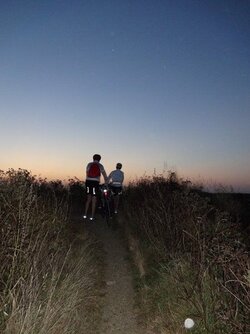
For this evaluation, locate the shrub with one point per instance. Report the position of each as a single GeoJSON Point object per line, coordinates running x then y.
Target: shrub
{"type": "Point", "coordinates": [196, 260]}
{"type": "Point", "coordinates": [44, 286]}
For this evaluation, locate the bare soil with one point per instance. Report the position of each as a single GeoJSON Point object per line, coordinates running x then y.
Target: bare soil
{"type": "Point", "coordinates": [119, 315]}
{"type": "Point", "coordinates": [117, 297]}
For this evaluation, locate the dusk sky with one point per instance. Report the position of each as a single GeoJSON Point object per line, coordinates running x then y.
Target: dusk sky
{"type": "Point", "coordinates": [156, 85]}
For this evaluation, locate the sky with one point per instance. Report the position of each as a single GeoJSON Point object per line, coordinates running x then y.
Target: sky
{"type": "Point", "coordinates": [156, 85]}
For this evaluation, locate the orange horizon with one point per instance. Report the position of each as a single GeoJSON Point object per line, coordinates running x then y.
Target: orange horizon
{"type": "Point", "coordinates": [206, 182]}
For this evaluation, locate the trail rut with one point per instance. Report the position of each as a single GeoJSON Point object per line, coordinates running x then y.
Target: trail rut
{"type": "Point", "coordinates": [119, 315]}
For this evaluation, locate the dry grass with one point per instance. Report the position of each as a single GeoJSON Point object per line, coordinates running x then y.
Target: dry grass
{"type": "Point", "coordinates": [46, 287]}
{"type": "Point", "coordinates": [195, 261]}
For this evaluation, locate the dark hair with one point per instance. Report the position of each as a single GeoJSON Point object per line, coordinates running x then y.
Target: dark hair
{"type": "Point", "coordinates": [97, 157]}
{"type": "Point", "coordinates": [118, 165]}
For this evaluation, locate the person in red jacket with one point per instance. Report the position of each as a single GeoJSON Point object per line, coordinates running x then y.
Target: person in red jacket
{"type": "Point", "coordinates": [94, 170]}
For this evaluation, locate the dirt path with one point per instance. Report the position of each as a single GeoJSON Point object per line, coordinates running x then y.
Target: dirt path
{"type": "Point", "coordinates": [118, 313]}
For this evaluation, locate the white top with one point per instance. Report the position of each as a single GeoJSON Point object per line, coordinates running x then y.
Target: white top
{"type": "Point", "coordinates": [98, 177]}
{"type": "Point", "coordinates": [116, 178]}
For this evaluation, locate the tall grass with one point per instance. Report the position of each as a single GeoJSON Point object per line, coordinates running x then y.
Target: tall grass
{"type": "Point", "coordinates": [45, 286]}
{"type": "Point", "coordinates": [195, 261]}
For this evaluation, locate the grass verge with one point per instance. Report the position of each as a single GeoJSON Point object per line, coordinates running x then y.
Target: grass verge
{"type": "Point", "coordinates": [49, 282]}
{"type": "Point", "coordinates": [190, 255]}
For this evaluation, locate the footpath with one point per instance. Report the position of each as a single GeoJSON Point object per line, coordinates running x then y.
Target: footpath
{"type": "Point", "coordinates": [118, 312]}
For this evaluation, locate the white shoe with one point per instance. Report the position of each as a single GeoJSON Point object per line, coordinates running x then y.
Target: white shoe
{"type": "Point", "coordinates": [91, 218]}
{"type": "Point", "coordinates": [84, 217]}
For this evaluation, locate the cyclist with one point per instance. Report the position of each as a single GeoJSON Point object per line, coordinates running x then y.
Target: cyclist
{"type": "Point", "coordinates": [93, 173]}
{"type": "Point", "coordinates": [115, 180]}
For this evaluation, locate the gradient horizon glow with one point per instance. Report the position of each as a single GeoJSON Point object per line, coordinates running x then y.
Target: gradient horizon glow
{"type": "Point", "coordinates": [156, 85]}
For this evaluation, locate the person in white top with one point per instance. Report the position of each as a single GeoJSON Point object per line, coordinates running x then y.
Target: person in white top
{"type": "Point", "coordinates": [94, 170]}
{"type": "Point", "coordinates": [115, 180]}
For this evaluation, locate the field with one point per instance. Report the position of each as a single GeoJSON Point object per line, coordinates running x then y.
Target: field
{"type": "Point", "coordinates": [188, 250]}
{"type": "Point", "coordinates": [48, 278]}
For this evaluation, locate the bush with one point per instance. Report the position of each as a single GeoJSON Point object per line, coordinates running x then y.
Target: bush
{"type": "Point", "coordinates": [194, 254]}
{"type": "Point", "coordinates": [42, 282]}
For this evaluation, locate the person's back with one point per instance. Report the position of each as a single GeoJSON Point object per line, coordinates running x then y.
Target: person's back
{"type": "Point", "coordinates": [115, 180]}
{"type": "Point", "coordinates": [94, 170]}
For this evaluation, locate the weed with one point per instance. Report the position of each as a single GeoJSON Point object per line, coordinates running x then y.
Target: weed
{"type": "Point", "coordinates": [45, 286]}
{"type": "Point", "coordinates": [194, 257]}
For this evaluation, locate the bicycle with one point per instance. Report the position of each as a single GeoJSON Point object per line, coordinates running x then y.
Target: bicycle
{"type": "Point", "coordinates": [106, 203]}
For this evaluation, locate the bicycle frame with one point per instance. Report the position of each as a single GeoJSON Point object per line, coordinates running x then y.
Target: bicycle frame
{"type": "Point", "coordinates": [106, 202]}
